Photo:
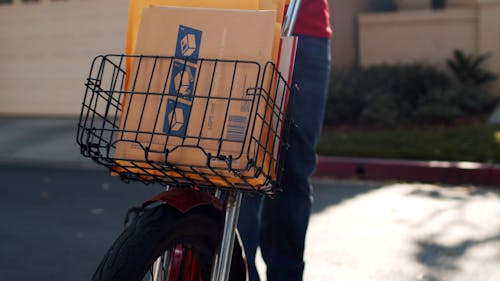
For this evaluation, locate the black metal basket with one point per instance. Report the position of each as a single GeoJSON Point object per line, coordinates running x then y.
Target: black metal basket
{"type": "Point", "coordinates": [209, 123]}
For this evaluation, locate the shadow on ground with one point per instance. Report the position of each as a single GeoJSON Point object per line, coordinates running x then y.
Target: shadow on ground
{"type": "Point", "coordinates": [403, 231]}
{"type": "Point", "coordinates": [461, 232]}
{"type": "Point", "coordinates": [328, 193]}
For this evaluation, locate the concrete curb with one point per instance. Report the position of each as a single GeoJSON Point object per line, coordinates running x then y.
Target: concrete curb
{"type": "Point", "coordinates": [408, 170]}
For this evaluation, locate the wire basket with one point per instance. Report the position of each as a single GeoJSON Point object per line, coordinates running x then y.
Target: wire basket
{"type": "Point", "coordinates": [209, 123]}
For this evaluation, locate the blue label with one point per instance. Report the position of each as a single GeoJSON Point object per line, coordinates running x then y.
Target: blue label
{"type": "Point", "coordinates": [182, 80]}
{"type": "Point", "coordinates": [176, 119]}
{"type": "Point", "coordinates": [188, 43]}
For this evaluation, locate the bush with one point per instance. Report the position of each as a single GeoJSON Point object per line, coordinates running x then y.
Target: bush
{"type": "Point", "coordinates": [441, 106]}
{"type": "Point", "coordinates": [384, 95]}
{"type": "Point", "coordinates": [475, 100]}
{"type": "Point", "coordinates": [468, 69]}
{"type": "Point", "coordinates": [381, 109]}
{"type": "Point", "coordinates": [345, 100]}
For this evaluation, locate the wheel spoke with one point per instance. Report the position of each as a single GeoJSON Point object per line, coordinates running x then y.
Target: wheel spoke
{"type": "Point", "coordinates": [179, 264]}
{"type": "Point", "coordinates": [159, 269]}
{"type": "Point", "coordinates": [164, 265]}
{"type": "Point", "coordinates": [156, 270]}
{"type": "Point", "coordinates": [175, 263]}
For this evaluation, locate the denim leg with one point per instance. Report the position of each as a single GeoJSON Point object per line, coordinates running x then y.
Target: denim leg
{"type": "Point", "coordinates": [284, 219]}
{"type": "Point", "coordinates": [248, 227]}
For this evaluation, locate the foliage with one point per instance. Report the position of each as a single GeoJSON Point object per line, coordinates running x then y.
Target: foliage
{"type": "Point", "coordinates": [468, 69]}
{"type": "Point", "coordinates": [404, 111]}
{"type": "Point", "coordinates": [441, 106]}
{"type": "Point", "coordinates": [385, 95]}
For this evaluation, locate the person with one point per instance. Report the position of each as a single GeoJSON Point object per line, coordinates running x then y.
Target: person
{"type": "Point", "coordinates": [278, 225]}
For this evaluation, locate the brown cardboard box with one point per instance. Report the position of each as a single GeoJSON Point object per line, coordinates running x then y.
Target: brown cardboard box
{"type": "Point", "coordinates": [199, 115]}
{"type": "Point", "coordinates": [136, 6]}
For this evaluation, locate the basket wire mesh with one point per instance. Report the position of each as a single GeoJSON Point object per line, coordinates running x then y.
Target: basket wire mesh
{"type": "Point", "coordinates": [209, 123]}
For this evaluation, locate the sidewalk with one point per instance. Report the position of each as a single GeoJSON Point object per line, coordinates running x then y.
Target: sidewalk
{"type": "Point", "coordinates": [52, 141]}
{"type": "Point", "coordinates": [40, 141]}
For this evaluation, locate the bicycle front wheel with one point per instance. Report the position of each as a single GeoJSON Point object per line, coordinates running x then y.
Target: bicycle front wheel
{"type": "Point", "coordinates": [164, 244]}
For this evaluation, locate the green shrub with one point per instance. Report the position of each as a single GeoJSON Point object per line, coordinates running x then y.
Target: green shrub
{"type": "Point", "coordinates": [384, 95]}
{"type": "Point", "coordinates": [346, 100]}
{"type": "Point", "coordinates": [381, 108]}
{"type": "Point", "coordinates": [468, 69]}
{"type": "Point", "coordinates": [475, 100]}
{"type": "Point", "coordinates": [441, 106]}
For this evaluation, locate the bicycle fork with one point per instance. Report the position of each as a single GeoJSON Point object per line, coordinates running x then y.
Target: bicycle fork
{"type": "Point", "coordinates": [222, 263]}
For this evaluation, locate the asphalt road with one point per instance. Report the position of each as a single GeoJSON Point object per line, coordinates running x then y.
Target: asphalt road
{"type": "Point", "coordinates": [56, 224]}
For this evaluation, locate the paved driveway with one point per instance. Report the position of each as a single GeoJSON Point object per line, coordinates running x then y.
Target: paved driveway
{"type": "Point", "coordinates": [57, 223]}
{"type": "Point", "coordinates": [396, 231]}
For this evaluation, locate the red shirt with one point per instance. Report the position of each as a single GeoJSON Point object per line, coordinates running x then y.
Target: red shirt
{"type": "Point", "coordinates": [313, 19]}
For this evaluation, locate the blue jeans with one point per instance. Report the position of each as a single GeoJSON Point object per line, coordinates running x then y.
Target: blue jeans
{"type": "Point", "coordinates": [279, 225]}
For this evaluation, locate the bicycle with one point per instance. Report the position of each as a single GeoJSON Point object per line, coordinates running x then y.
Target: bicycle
{"type": "Point", "coordinates": [189, 231]}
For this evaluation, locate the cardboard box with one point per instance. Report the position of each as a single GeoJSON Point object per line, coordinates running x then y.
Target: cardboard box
{"type": "Point", "coordinates": [136, 7]}
{"type": "Point", "coordinates": [199, 115]}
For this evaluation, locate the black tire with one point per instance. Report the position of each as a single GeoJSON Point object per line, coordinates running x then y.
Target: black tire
{"type": "Point", "coordinates": [157, 230]}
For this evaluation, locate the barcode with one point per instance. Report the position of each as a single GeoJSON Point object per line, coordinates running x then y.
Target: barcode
{"type": "Point", "coordinates": [236, 128]}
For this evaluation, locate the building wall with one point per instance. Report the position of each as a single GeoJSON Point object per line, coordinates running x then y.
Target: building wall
{"type": "Point", "coordinates": [416, 36]}
{"type": "Point", "coordinates": [426, 4]}
{"type": "Point", "coordinates": [431, 36]}
{"type": "Point", "coordinates": [462, 3]}
{"type": "Point", "coordinates": [345, 30]}
{"type": "Point", "coordinates": [46, 49]}
{"type": "Point", "coordinates": [344, 20]}
{"type": "Point", "coordinates": [489, 34]}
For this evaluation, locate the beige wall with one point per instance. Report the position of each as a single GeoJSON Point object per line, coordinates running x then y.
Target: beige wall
{"type": "Point", "coordinates": [462, 3]}
{"type": "Point", "coordinates": [344, 24]}
{"type": "Point", "coordinates": [413, 36]}
{"type": "Point", "coordinates": [344, 14]}
{"type": "Point", "coordinates": [431, 36]}
{"type": "Point", "coordinates": [489, 34]}
{"type": "Point", "coordinates": [426, 4]}
{"type": "Point", "coordinates": [46, 49]}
